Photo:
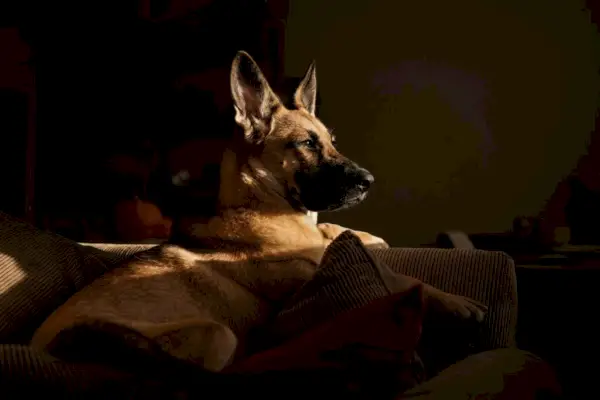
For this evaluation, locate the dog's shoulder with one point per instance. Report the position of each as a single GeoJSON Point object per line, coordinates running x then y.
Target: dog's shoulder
{"type": "Point", "coordinates": [166, 256]}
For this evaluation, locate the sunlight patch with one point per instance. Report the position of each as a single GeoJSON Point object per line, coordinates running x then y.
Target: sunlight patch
{"type": "Point", "coordinates": [11, 276]}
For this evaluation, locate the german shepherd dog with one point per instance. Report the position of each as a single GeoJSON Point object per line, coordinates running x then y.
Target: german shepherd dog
{"type": "Point", "coordinates": [197, 303]}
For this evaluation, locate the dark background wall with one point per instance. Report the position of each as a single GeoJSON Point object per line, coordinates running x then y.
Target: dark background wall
{"type": "Point", "coordinates": [468, 112]}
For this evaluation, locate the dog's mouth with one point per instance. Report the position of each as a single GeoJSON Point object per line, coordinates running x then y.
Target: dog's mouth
{"type": "Point", "coordinates": [353, 200]}
{"type": "Point", "coordinates": [349, 201]}
{"type": "Point", "coordinates": [301, 202]}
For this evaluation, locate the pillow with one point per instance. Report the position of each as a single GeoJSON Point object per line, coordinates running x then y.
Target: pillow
{"type": "Point", "coordinates": [348, 277]}
{"type": "Point", "coordinates": [367, 350]}
{"type": "Point", "coordinates": [347, 317]}
{"type": "Point", "coordinates": [38, 272]}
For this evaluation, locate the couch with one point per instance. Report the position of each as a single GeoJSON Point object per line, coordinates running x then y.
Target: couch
{"type": "Point", "coordinates": [40, 270]}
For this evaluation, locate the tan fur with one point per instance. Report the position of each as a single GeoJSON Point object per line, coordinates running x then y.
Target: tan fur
{"type": "Point", "coordinates": [198, 303]}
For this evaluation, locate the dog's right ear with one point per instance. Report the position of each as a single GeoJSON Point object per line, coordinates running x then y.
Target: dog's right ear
{"type": "Point", "coordinates": [306, 93]}
{"type": "Point", "coordinates": [253, 98]}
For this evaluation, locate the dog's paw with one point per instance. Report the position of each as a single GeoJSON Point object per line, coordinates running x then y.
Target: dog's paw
{"type": "Point", "coordinates": [443, 303]}
{"type": "Point", "coordinates": [371, 241]}
{"type": "Point", "coordinates": [331, 231]}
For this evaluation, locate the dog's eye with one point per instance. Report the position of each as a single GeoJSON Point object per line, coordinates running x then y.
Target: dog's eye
{"type": "Point", "coordinates": [308, 143]}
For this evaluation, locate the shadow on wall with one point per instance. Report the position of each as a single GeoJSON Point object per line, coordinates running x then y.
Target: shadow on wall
{"type": "Point", "coordinates": [468, 112]}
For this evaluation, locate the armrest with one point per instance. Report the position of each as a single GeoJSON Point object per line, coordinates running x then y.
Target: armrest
{"type": "Point", "coordinates": [486, 276]}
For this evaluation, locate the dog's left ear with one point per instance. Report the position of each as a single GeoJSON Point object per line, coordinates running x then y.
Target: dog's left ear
{"type": "Point", "coordinates": [253, 98]}
{"type": "Point", "coordinates": [306, 94]}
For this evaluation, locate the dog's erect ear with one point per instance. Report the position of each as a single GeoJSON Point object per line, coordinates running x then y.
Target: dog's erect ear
{"type": "Point", "coordinates": [306, 94]}
{"type": "Point", "coordinates": [253, 98]}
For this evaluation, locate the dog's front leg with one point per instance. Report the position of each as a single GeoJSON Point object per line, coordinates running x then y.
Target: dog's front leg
{"type": "Point", "coordinates": [331, 231]}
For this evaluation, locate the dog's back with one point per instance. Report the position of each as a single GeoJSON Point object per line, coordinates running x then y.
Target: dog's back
{"type": "Point", "coordinates": [168, 294]}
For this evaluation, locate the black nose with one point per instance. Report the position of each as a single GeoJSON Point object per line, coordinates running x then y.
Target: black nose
{"type": "Point", "coordinates": [366, 179]}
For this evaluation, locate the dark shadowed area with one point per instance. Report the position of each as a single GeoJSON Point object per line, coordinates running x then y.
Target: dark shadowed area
{"type": "Point", "coordinates": [478, 118]}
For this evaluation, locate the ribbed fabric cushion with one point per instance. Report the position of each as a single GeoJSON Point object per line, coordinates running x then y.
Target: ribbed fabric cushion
{"type": "Point", "coordinates": [26, 372]}
{"type": "Point", "coordinates": [486, 276]}
{"type": "Point", "coordinates": [348, 278]}
{"type": "Point", "coordinates": [38, 272]}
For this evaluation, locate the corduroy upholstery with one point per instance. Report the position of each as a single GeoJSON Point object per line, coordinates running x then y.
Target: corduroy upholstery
{"type": "Point", "coordinates": [486, 276]}
{"type": "Point", "coordinates": [40, 270]}
{"type": "Point", "coordinates": [350, 278]}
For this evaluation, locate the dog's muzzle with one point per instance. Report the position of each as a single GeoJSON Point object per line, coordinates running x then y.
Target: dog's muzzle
{"type": "Point", "coordinates": [330, 187]}
{"type": "Point", "coordinates": [362, 178]}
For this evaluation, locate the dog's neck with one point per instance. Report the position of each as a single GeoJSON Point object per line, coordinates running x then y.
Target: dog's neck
{"type": "Point", "coordinates": [245, 183]}
{"type": "Point", "coordinates": [254, 216]}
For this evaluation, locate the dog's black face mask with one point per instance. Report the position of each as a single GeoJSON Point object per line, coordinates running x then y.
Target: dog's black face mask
{"type": "Point", "coordinates": [333, 186]}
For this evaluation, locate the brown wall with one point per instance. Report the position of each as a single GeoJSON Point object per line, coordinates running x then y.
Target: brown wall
{"type": "Point", "coordinates": [468, 112]}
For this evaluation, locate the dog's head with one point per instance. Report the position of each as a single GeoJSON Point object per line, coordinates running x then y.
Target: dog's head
{"type": "Point", "coordinates": [292, 153]}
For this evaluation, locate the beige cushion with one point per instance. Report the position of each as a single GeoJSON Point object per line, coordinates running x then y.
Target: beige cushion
{"type": "Point", "coordinates": [38, 272]}
{"type": "Point", "coordinates": [509, 374]}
